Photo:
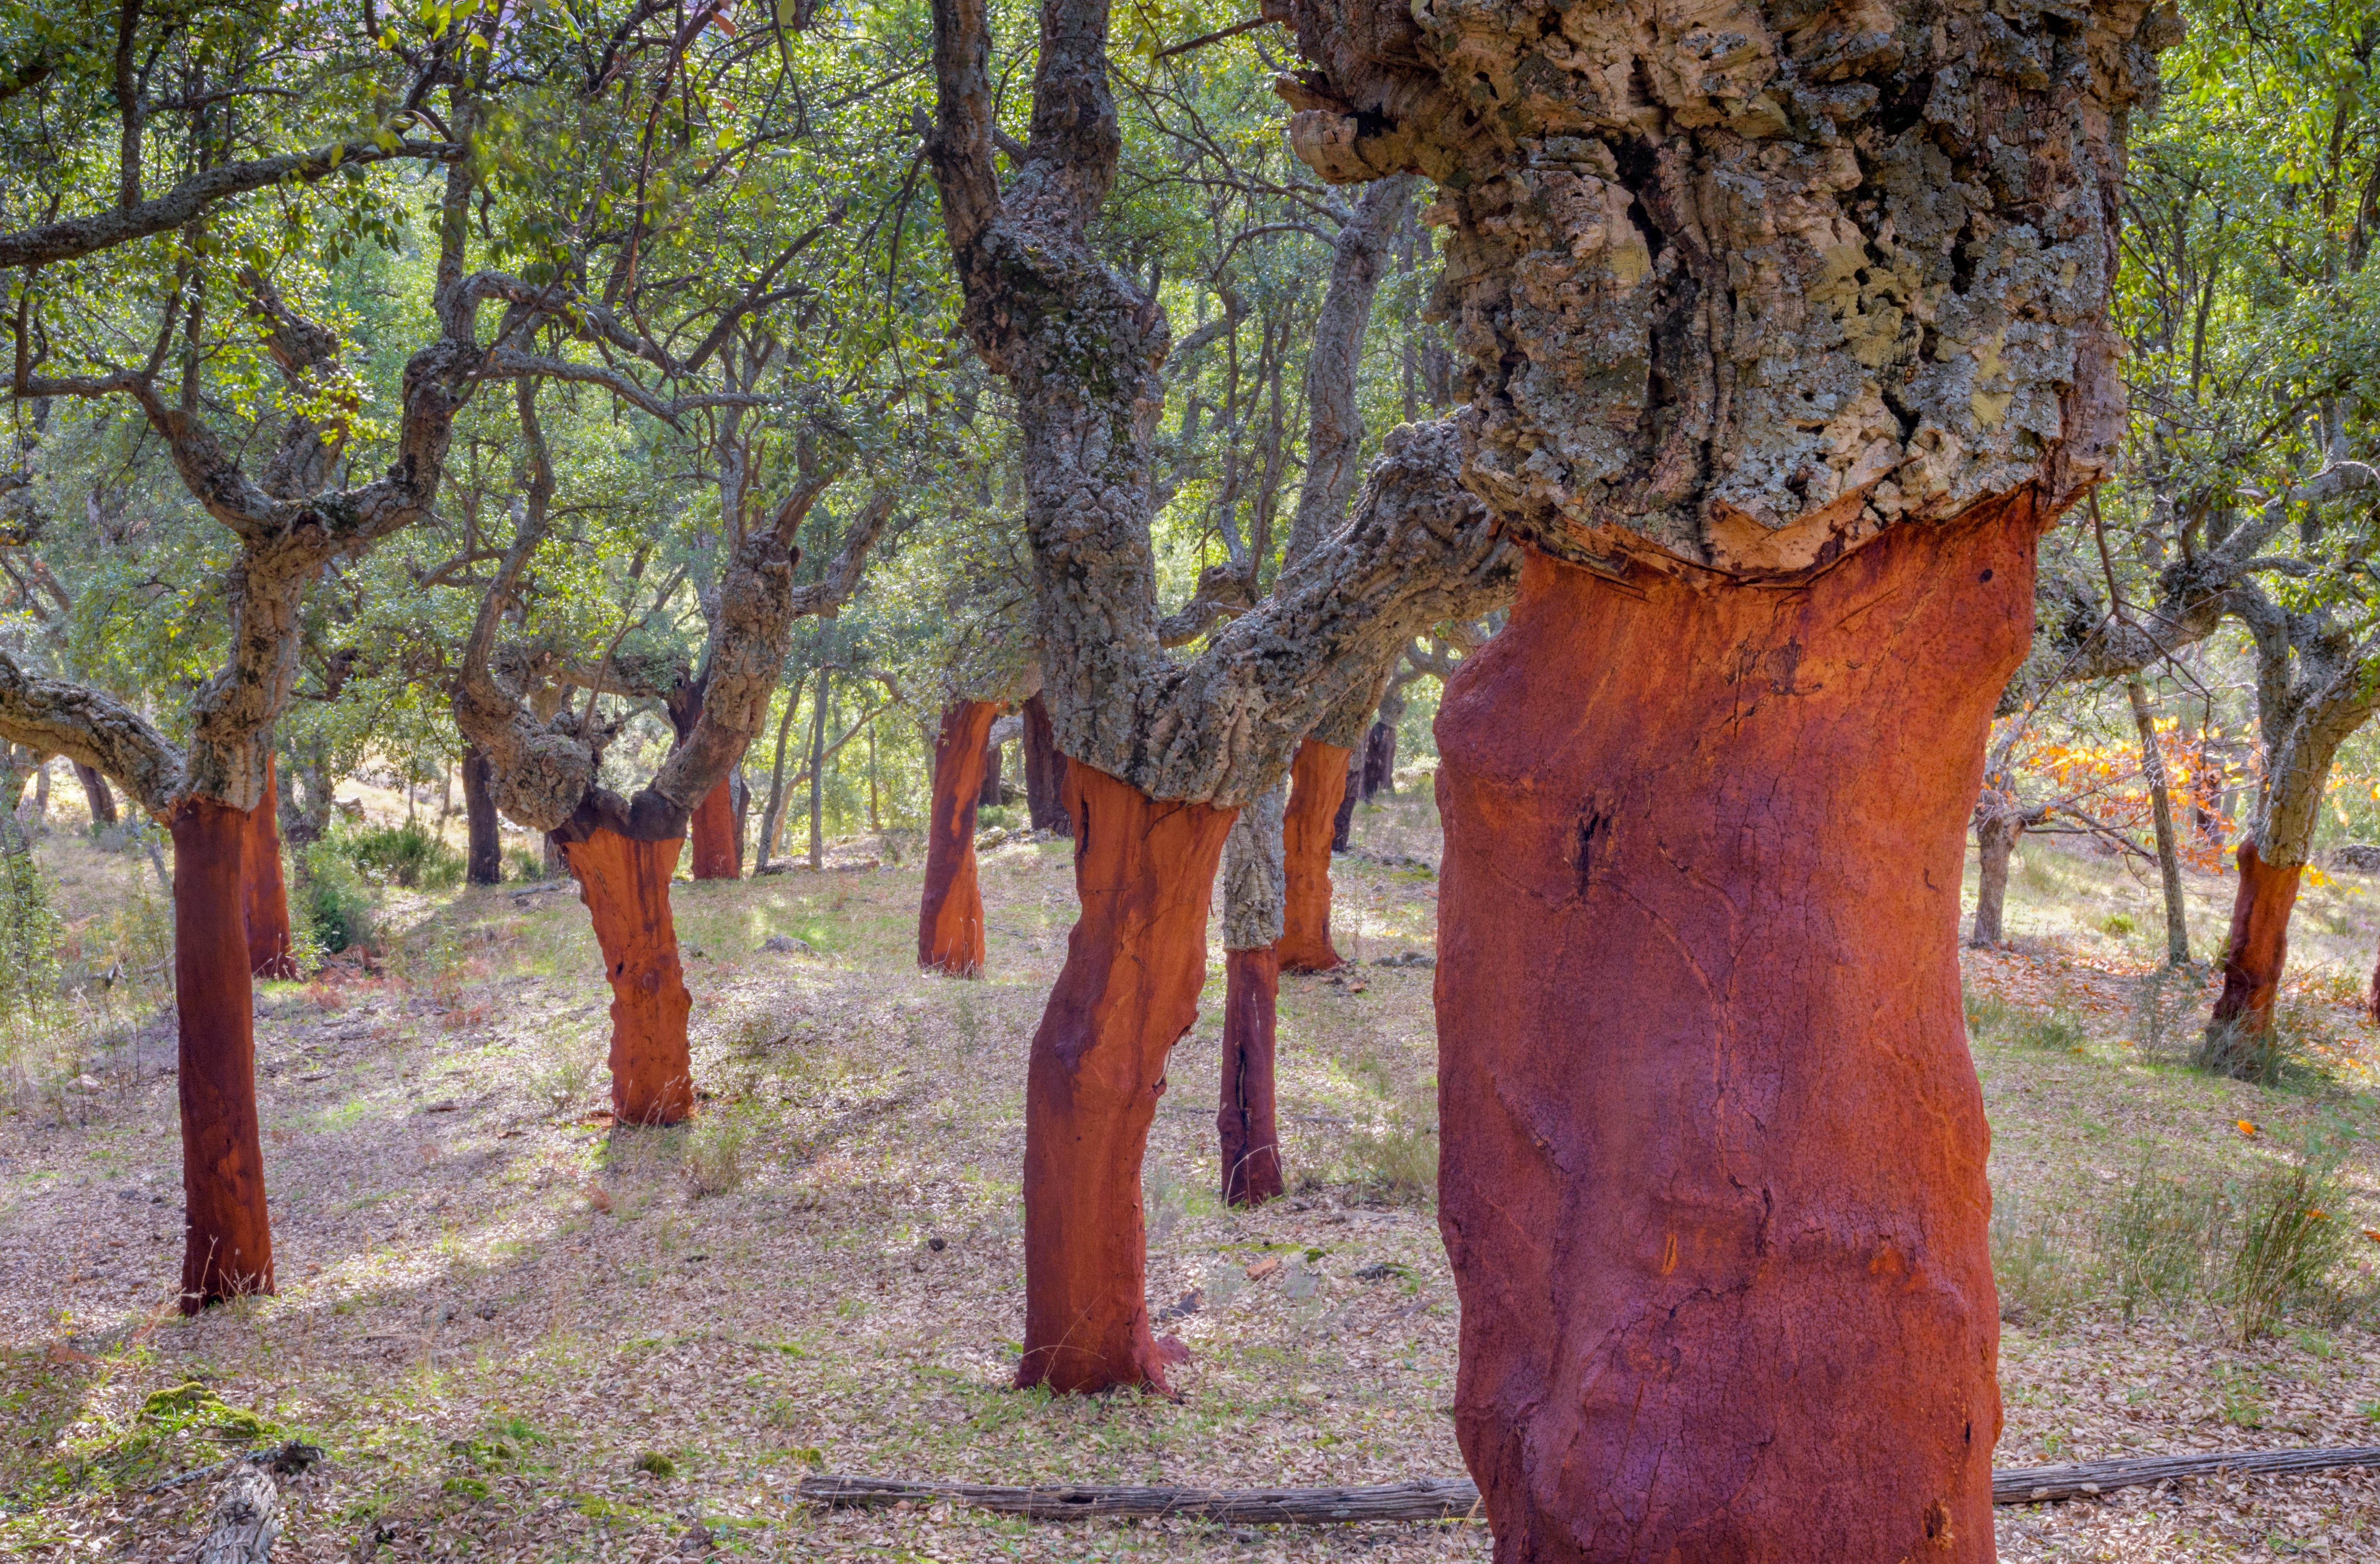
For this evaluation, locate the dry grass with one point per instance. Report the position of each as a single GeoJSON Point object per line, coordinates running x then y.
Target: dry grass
{"type": "Point", "coordinates": [521, 1337]}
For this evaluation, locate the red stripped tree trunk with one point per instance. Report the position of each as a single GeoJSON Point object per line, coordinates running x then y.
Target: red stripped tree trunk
{"type": "Point", "coordinates": [2253, 958]}
{"type": "Point", "coordinates": [1044, 772]}
{"type": "Point", "coordinates": [716, 854]}
{"type": "Point", "coordinates": [1144, 871]}
{"type": "Point", "coordinates": [1712, 1167]}
{"type": "Point", "coordinates": [1318, 780]}
{"type": "Point", "coordinates": [265, 895]}
{"type": "Point", "coordinates": [228, 1232]}
{"type": "Point", "coordinates": [1342, 826]}
{"type": "Point", "coordinates": [625, 883]}
{"type": "Point", "coordinates": [1251, 1137]}
{"type": "Point", "coordinates": [950, 919]}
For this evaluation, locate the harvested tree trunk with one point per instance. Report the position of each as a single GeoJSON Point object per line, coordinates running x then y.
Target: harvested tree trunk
{"type": "Point", "coordinates": [1343, 824]}
{"type": "Point", "coordinates": [1712, 1152]}
{"type": "Point", "coordinates": [1318, 784]}
{"type": "Point", "coordinates": [1045, 773]}
{"type": "Point", "coordinates": [1996, 834]}
{"type": "Point", "coordinates": [1379, 760]}
{"type": "Point", "coordinates": [2253, 958]}
{"type": "Point", "coordinates": [96, 793]}
{"type": "Point", "coordinates": [950, 919]}
{"type": "Point", "coordinates": [484, 860]}
{"type": "Point", "coordinates": [1145, 873]}
{"type": "Point", "coordinates": [1247, 1122]}
{"type": "Point", "coordinates": [265, 895]}
{"type": "Point", "coordinates": [1457, 1499]}
{"type": "Point", "coordinates": [228, 1237]}
{"type": "Point", "coordinates": [715, 834]}
{"type": "Point", "coordinates": [990, 793]}
{"type": "Point", "coordinates": [625, 883]}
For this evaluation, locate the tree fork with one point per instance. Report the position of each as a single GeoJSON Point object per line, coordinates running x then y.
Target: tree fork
{"type": "Point", "coordinates": [1712, 1174]}
{"type": "Point", "coordinates": [1145, 873]}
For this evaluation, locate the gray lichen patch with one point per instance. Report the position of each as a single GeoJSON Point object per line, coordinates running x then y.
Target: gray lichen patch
{"type": "Point", "coordinates": [1748, 282]}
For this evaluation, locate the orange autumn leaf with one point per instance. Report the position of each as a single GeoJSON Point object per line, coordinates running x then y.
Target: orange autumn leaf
{"type": "Point", "coordinates": [2246, 1128]}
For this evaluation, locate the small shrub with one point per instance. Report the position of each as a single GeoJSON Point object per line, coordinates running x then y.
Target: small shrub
{"type": "Point", "coordinates": [2041, 1276]}
{"type": "Point", "coordinates": [2287, 1240]}
{"type": "Point", "coordinates": [31, 933]}
{"type": "Point", "coordinates": [410, 855]}
{"type": "Point", "coordinates": [1396, 1161]}
{"type": "Point", "coordinates": [524, 866]}
{"type": "Point", "coordinates": [2165, 1013]}
{"type": "Point", "coordinates": [2156, 1240]}
{"type": "Point", "coordinates": [655, 1464]}
{"type": "Point", "coordinates": [1987, 1014]}
{"type": "Point", "coordinates": [565, 1068]}
{"type": "Point", "coordinates": [714, 1152]}
{"type": "Point", "coordinates": [336, 900]}
{"type": "Point", "coordinates": [2053, 1031]}
{"type": "Point", "coordinates": [2263, 1054]}
{"type": "Point", "coordinates": [2119, 925]}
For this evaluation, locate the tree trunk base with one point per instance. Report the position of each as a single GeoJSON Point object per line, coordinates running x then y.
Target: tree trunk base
{"type": "Point", "coordinates": [1317, 782]}
{"type": "Point", "coordinates": [228, 1243]}
{"type": "Point", "coordinates": [2238, 1035]}
{"type": "Point", "coordinates": [1145, 872]}
{"type": "Point", "coordinates": [714, 835]}
{"type": "Point", "coordinates": [625, 883]}
{"type": "Point", "coordinates": [1712, 1171]}
{"type": "Point", "coordinates": [950, 917]}
{"type": "Point", "coordinates": [1250, 1134]}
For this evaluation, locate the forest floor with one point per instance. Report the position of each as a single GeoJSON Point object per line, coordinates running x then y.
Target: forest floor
{"type": "Point", "coordinates": [522, 1335]}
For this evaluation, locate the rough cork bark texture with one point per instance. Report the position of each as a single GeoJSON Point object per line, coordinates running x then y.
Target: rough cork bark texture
{"type": "Point", "coordinates": [265, 894]}
{"type": "Point", "coordinates": [1712, 1165]}
{"type": "Point", "coordinates": [625, 883]}
{"type": "Point", "coordinates": [950, 916]}
{"type": "Point", "coordinates": [1318, 783]}
{"type": "Point", "coordinates": [227, 1239]}
{"type": "Point", "coordinates": [484, 862]}
{"type": "Point", "coordinates": [1249, 1131]}
{"type": "Point", "coordinates": [1145, 873]}
{"type": "Point", "coordinates": [2258, 947]}
{"type": "Point", "coordinates": [1747, 283]}
{"type": "Point", "coordinates": [715, 834]}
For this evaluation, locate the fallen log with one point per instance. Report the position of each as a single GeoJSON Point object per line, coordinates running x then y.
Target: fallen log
{"type": "Point", "coordinates": [2042, 1485]}
{"type": "Point", "coordinates": [246, 1514]}
{"type": "Point", "coordinates": [1429, 1499]}
{"type": "Point", "coordinates": [1457, 1499]}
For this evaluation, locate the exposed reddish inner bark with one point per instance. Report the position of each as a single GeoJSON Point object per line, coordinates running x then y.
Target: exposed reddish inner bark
{"type": "Point", "coordinates": [716, 844]}
{"type": "Point", "coordinates": [227, 1235]}
{"type": "Point", "coordinates": [265, 895]}
{"type": "Point", "coordinates": [1144, 870]}
{"type": "Point", "coordinates": [1318, 780]}
{"type": "Point", "coordinates": [1712, 1162]}
{"type": "Point", "coordinates": [625, 883]}
{"type": "Point", "coordinates": [2259, 943]}
{"type": "Point", "coordinates": [1044, 772]}
{"type": "Point", "coordinates": [1251, 1139]}
{"type": "Point", "coordinates": [950, 919]}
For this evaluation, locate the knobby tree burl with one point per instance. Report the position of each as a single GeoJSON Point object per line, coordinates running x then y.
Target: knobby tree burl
{"type": "Point", "coordinates": [1787, 331]}
{"type": "Point", "coordinates": [1161, 754]}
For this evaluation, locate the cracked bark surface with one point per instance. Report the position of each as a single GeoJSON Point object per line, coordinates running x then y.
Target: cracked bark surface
{"type": "Point", "coordinates": [1246, 1123]}
{"type": "Point", "coordinates": [1785, 331]}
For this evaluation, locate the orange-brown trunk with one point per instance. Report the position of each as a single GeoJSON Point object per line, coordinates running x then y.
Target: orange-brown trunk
{"type": "Point", "coordinates": [1712, 1170]}
{"type": "Point", "coordinates": [625, 883]}
{"type": "Point", "coordinates": [1317, 780]}
{"type": "Point", "coordinates": [950, 918]}
{"type": "Point", "coordinates": [717, 852]}
{"type": "Point", "coordinates": [1144, 871]}
{"type": "Point", "coordinates": [1251, 1138]}
{"type": "Point", "coordinates": [227, 1233]}
{"type": "Point", "coordinates": [265, 895]}
{"type": "Point", "coordinates": [2259, 943]}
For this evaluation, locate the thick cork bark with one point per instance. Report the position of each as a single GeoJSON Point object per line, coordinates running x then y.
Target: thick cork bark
{"type": "Point", "coordinates": [625, 883]}
{"type": "Point", "coordinates": [1317, 783]}
{"type": "Point", "coordinates": [1712, 1176]}
{"type": "Point", "coordinates": [2257, 949]}
{"type": "Point", "coordinates": [1145, 873]}
{"type": "Point", "coordinates": [950, 918]}
{"type": "Point", "coordinates": [265, 895]}
{"type": "Point", "coordinates": [1250, 1135]}
{"type": "Point", "coordinates": [227, 1234]}
{"type": "Point", "coordinates": [715, 834]}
